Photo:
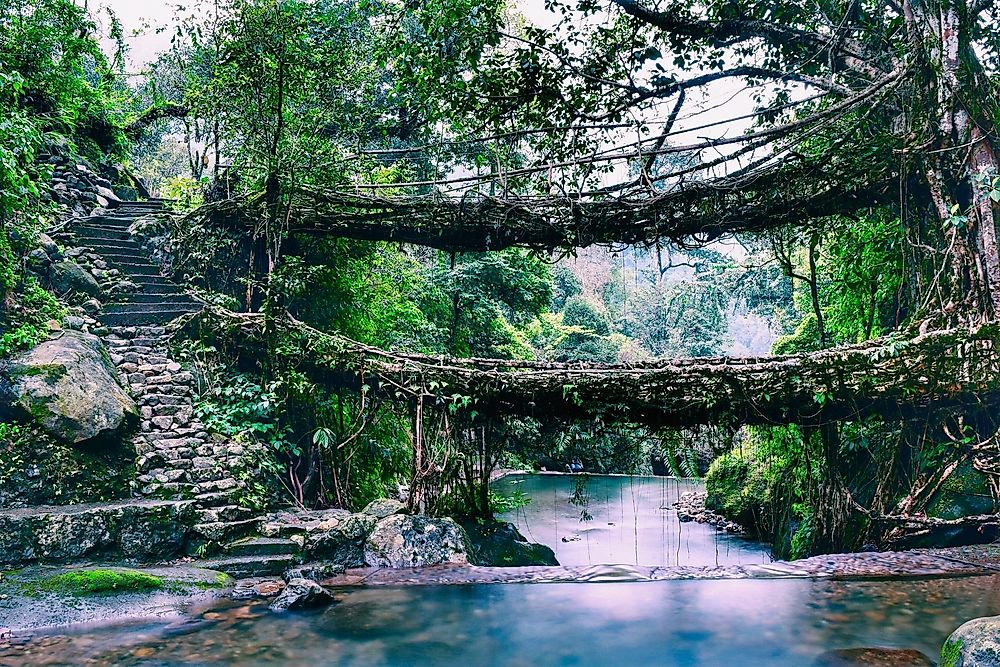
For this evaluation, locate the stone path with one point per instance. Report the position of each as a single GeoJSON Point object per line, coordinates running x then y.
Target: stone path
{"type": "Point", "coordinates": [177, 458]}
{"type": "Point", "coordinates": [155, 299]}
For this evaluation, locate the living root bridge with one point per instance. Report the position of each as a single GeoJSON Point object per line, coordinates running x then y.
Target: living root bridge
{"type": "Point", "coordinates": [886, 377]}
{"type": "Point", "coordinates": [695, 212]}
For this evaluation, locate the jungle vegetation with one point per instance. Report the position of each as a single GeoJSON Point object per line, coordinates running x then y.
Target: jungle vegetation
{"type": "Point", "coordinates": [441, 237]}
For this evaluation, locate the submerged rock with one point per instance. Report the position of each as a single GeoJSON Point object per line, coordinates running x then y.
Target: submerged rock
{"type": "Point", "coordinates": [414, 541]}
{"type": "Point", "coordinates": [302, 594]}
{"type": "Point", "coordinates": [501, 544]}
{"type": "Point", "coordinates": [69, 387]}
{"type": "Point", "coordinates": [873, 657]}
{"type": "Point", "coordinates": [974, 644]}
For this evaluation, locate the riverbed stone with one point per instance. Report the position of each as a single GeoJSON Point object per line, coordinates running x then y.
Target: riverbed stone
{"type": "Point", "coordinates": [974, 644]}
{"type": "Point", "coordinates": [873, 657]}
{"type": "Point", "coordinates": [414, 541]}
{"type": "Point", "coordinates": [68, 386]}
{"type": "Point", "coordinates": [302, 594]}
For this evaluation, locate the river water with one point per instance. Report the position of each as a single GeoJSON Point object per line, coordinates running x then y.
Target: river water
{"type": "Point", "coordinates": [594, 519]}
{"type": "Point", "coordinates": [684, 623]}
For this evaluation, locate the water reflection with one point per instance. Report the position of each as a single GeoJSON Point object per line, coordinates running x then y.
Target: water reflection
{"type": "Point", "coordinates": [620, 519]}
{"type": "Point", "coordinates": [683, 623]}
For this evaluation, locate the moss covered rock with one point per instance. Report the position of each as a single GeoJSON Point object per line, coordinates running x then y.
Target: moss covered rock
{"type": "Point", "coordinates": [500, 544]}
{"type": "Point", "coordinates": [974, 644]}
{"type": "Point", "coordinates": [69, 387]}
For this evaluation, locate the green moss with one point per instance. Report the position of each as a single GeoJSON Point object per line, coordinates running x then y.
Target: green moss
{"type": "Point", "coordinates": [52, 372]}
{"type": "Point", "coordinates": [222, 580]}
{"type": "Point", "coordinates": [951, 652]}
{"type": "Point", "coordinates": [89, 582]}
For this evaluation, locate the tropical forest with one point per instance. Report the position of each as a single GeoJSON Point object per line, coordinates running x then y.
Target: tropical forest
{"type": "Point", "coordinates": [500, 332]}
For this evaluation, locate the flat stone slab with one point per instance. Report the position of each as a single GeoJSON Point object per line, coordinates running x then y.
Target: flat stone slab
{"type": "Point", "coordinates": [952, 562]}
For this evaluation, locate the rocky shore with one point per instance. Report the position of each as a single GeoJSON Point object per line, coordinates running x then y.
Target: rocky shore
{"type": "Point", "coordinates": [691, 507]}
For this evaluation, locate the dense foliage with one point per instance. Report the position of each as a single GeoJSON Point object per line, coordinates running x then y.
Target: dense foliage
{"type": "Point", "coordinates": [841, 211]}
{"type": "Point", "coordinates": [57, 92]}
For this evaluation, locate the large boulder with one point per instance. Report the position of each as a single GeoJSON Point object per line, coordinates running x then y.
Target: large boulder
{"type": "Point", "coordinates": [135, 530]}
{"type": "Point", "coordinates": [501, 544]}
{"type": "Point", "coordinates": [69, 387]}
{"type": "Point", "coordinates": [69, 276]}
{"type": "Point", "coordinates": [974, 644]}
{"type": "Point", "coordinates": [413, 541]}
{"type": "Point", "coordinates": [343, 540]}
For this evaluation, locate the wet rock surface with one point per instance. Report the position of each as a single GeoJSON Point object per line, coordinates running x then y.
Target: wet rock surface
{"type": "Point", "coordinates": [873, 657]}
{"type": "Point", "coordinates": [974, 644]}
{"type": "Point", "coordinates": [691, 507]}
{"type": "Point", "coordinates": [301, 594]}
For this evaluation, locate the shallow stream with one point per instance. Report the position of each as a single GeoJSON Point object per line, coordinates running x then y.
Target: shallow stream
{"type": "Point", "coordinates": [735, 622]}
{"type": "Point", "coordinates": [593, 519]}
{"type": "Point", "coordinates": [684, 623]}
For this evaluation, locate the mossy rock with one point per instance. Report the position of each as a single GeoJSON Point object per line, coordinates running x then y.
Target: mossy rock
{"type": "Point", "coordinates": [974, 644]}
{"type": "Point", "coordinates": [69, 388]}
{"type": "Point", "coordinates": [91, 581]}
{"type": "Point", "coordinates": [965, 493]}
{"type": "Point", "coordinates": [500, 544]}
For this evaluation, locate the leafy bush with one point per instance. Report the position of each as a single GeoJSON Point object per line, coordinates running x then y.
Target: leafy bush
{"type": "Point", "coordinates": [24, 320]}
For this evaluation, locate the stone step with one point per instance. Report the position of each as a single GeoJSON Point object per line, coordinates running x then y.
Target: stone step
{"type": "Point", "coordinates": [169, 490]}
{"type": "Point", "coordinates": [108, 221]}
{"type": "Point", "coordinates": [124, 264]}
{"type": "Point", "coordinates": [139, 317]}
{"type": "Point", "coordinates": [158, 281]}
{"type": "Point", "coordinates": [175, 295]}
{"type": "Point", "coordinates": [223, 513]}
{"type": "Point", "coordinates": [91, 234]}
{"type": "Point", "coordinates": [243, 567]}
{"type": "Point", "coordinates": [141, 268]}
{"type": "Point", "coordinates": [214, 499]}
{"type": "Point", "coordinates": [124, 255]}
{"type": "Point", "coordinates": [116, 245]}
{"type": "Point", "coordinates": [262, 546]}
{"type": "Point", "coordinates": [222, 532]}
{"type": "Point", "coordinates": [179, 306]}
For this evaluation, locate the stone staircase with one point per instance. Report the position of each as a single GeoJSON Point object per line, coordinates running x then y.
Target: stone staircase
{"type": "Point", "coordinates": [157, 299]}
{"type": "Point", "coordinates": [177, 458]}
